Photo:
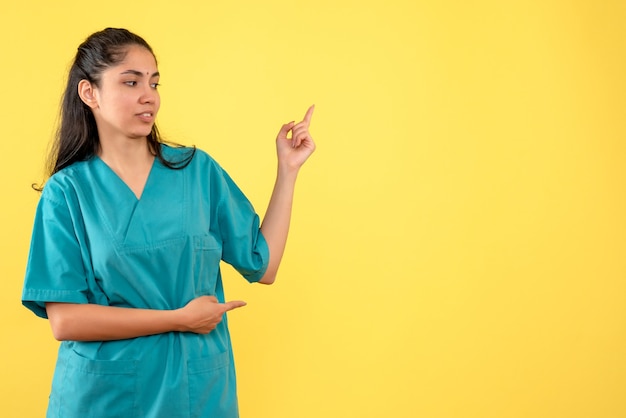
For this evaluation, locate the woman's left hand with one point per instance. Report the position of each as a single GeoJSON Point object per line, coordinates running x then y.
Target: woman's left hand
{"type": "Point", "coordinates": [294, 151]}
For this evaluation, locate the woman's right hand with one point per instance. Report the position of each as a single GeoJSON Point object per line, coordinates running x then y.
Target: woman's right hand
{"type": "Point", "coordinates": [204, 313]}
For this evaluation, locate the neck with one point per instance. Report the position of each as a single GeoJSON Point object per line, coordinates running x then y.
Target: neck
{"type": "Point", "coordinates": [126, 154]}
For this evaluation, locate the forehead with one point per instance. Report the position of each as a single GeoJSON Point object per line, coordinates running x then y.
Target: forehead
{"type": "Point", "coordinates": [137, 58]}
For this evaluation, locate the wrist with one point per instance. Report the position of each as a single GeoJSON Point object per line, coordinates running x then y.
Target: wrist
{"type": "Point", "coordinates": [287, 173]}
{"type": "Point", "coordinates": [178, 320]}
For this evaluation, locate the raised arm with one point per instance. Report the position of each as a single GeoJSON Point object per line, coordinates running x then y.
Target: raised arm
{"type": "Point", "coordinates": [90, 322]}
{"type": "Point", "coordinates": [292, 153]}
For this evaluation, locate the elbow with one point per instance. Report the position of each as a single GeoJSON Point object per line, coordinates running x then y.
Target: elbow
{"type": "Point", "coordinates": [59, 323]}
{"type": "Point", "coordinates": [268, 278]}
{"type": "Point", "coordinates": [59, 329]}
{"type": "Point", "coordinates": [59, 332]}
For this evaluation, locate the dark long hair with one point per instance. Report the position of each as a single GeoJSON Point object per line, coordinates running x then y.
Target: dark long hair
{"type": "Point", "coordinates": [77, 137]}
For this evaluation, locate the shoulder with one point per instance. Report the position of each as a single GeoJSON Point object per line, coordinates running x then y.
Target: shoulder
{"type": "Point", "coordinates": [65, 182]}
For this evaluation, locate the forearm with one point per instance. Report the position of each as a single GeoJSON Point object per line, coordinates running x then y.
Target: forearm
{"type": "Point", "coordinates": [90, 322]}
{"type": "Point", "coordinates": [275, 226]}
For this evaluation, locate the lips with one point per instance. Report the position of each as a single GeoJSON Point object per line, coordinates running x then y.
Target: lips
{"type": "Point", "coordinates": [146, 116]}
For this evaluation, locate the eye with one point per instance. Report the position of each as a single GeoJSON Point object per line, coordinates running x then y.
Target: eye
{"type": "Point", "coordinates": [130, 83]}
{"type": "Point", "coordinates": [154, 85]}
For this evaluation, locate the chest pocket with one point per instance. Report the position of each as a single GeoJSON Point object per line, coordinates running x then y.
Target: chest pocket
{"type": "Point", "coordinates": [207, 255]}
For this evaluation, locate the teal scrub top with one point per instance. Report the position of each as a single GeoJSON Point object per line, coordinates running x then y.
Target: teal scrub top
{"type": "Point", "coordinates": [93, 241]}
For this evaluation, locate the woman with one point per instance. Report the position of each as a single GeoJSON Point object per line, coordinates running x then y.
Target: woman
{"type": "Point", "coordinates": [126, 245]}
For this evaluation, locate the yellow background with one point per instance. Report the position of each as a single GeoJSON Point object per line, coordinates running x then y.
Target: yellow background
{"type": "Point", "coordinates": [458, 241]}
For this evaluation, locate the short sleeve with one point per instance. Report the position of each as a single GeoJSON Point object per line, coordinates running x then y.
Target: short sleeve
{"type": "Point", "coordinates": [244, 246]}
{"type": "Point", "coordinates": [54, 271]}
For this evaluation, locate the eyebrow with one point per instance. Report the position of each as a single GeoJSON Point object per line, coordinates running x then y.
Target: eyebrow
{"type": "Point", "coordinates": [139, 73]}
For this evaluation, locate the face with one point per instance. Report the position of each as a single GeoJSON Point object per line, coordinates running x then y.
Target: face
{"type": "Point", "coordinates": [126, 103]}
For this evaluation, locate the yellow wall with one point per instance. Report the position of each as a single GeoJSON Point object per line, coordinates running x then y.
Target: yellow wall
{"type": "Point", "coordinates": [459, 237]}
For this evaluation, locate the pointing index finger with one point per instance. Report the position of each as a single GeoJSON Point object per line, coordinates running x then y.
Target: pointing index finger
{"type": "Point", "coordinates": [309, 113]}
{"type": "Point", "coordinates": [233, 304]}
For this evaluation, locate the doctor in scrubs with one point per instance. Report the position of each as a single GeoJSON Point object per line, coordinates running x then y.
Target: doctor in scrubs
{"type": "Point", "coordinates": [127, 240]}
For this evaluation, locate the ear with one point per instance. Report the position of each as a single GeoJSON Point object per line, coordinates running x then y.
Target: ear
{"type": "Point", "coordinates": [86, 92]}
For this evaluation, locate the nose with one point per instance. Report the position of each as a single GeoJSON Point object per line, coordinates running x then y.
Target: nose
{"type": "Point", "coordinates": [149, 94]}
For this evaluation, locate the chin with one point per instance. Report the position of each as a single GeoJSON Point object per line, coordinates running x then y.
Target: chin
{"type": "Point", "coordinates": [143, 134]}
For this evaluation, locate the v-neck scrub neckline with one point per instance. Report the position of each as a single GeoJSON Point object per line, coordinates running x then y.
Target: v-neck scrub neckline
{"type": "Point", "coordinates": [97, 159]}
